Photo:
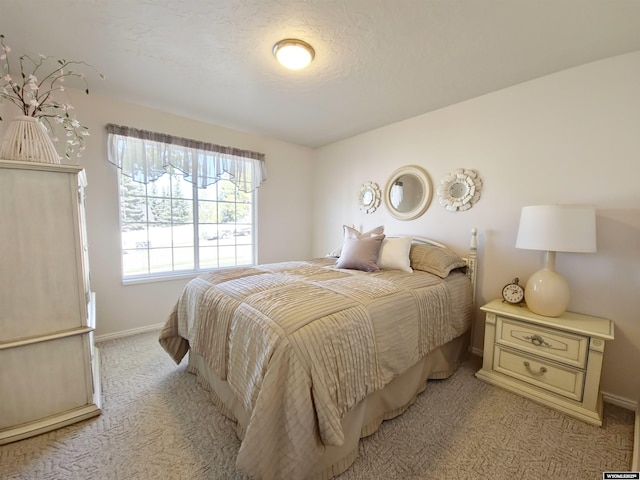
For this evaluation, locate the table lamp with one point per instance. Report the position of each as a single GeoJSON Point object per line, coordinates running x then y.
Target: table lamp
{"type": "Point", "coordinates": [554, 228]}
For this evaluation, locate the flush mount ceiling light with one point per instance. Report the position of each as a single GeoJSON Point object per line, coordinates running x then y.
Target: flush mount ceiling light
{"type": "Point", "coordinates": [293, 54]}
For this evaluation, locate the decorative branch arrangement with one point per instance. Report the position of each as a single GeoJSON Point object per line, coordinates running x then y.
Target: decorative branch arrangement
{"type": "Point", "coordinates": [36, 89]}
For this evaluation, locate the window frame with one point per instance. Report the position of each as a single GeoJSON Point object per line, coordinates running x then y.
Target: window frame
{"type": "Point", "coordinates": [196, 226]}
{"type": "Point", "coordinates": [145, 157]}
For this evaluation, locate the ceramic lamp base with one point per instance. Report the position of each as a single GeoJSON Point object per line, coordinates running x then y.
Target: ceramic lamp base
{"type": "Point", "coordinates": [547, 293]}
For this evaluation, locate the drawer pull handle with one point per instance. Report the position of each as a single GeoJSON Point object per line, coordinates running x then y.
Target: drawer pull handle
{"type": "Point", "coordinates": [538, 341]}
{"type": "Point", "coordinates": [541, 371]}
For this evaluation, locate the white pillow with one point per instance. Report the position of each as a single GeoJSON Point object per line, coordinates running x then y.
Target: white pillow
{"type": "Point", "coordinates": [394, 254]}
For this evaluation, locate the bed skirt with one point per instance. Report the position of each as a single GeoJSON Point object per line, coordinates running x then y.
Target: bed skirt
{"type": "Point", "coordinates": [363, 419]}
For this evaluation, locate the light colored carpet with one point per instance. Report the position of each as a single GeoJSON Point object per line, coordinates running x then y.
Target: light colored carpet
{"type": "Point", "coordinates": [158, 423]}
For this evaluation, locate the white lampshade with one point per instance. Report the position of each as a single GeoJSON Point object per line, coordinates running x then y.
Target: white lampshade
{"type": "Point", "coordinates": [554, 228]}
{"type": "Point", "coordinates": [558, 228]}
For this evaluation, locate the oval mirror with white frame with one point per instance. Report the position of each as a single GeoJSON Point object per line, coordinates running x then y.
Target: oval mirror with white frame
{"type": "Point", "coordinates": [408, 192]}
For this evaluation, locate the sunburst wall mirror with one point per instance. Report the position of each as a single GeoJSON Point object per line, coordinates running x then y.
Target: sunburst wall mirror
{"type": "Point", "coordinates": [369, 197]}
{"type": "Point", "coordinates": [459, 190]}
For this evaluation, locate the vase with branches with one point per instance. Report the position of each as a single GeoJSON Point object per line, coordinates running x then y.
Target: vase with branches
{"type": "Point", "coordinates": [37, 88]}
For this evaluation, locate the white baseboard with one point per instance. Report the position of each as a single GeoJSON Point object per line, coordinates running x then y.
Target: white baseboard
{"type": "Point", "coordinates": [127, 333]}
{"type": "Point", "coordinates": [477, 351]}
{"type": "Point", "coordinates": [619, 401]}
{"type": "Point", "coordinates": [635, 462]}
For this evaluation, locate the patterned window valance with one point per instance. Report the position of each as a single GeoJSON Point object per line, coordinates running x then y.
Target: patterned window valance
{"type": "Point", "coordinates": [144, 156]}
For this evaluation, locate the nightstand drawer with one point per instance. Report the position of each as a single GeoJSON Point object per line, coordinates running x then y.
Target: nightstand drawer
{"type": "Point", "coordinates": [564, 347]}
{"type": "Point", "coordinates": [560, 379]}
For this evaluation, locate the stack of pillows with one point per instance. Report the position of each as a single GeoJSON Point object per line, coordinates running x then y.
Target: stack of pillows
{"type": "Point", "coordinates": [372, 251]}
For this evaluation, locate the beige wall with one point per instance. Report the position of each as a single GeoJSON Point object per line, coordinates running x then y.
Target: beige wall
{"type": "Point", "coordinates": [571, 137]}
{"type": "Point", "coordinates": [121, 308]}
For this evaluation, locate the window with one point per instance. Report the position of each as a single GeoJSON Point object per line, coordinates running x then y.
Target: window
{"type": "Point", "coordinates": [190, 214]}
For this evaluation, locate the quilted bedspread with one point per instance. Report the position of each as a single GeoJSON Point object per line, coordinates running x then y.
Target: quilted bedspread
{"type": "Point", "coordinates": [300, 343]}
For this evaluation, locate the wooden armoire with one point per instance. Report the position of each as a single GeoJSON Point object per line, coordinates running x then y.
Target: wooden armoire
{"type": "Point", "coordinates": [49, 368]}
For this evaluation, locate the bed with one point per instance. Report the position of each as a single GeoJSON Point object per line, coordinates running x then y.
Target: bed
{"type": "Point", "coordinates": [308, 357]}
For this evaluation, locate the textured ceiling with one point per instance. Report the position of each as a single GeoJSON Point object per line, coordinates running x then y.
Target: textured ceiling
{"type": "Point", "coordinates": [377, 61]}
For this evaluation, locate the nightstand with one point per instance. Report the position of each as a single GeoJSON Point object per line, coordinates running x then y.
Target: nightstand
{"type": "Point", "coordinates": [554, 361]}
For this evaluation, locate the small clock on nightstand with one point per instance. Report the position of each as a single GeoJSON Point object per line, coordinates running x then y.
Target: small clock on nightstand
{"type": "Point", "coordinates": [513, 293]}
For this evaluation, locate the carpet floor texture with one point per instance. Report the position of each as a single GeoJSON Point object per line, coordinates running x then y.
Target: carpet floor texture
{"type": "Point", "coordinates": [158, 423]}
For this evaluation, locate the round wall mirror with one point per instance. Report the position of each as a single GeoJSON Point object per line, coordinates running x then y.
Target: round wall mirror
{"type": "Point", "coordinates": [408, 192]}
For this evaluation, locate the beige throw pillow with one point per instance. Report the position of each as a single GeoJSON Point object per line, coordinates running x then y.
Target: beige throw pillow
{"type": "Point", "coordinates": [436, 260]}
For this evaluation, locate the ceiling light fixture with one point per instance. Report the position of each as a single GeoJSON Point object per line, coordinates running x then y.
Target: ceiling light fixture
{"type": "Point", "coordinates": [293, 54]}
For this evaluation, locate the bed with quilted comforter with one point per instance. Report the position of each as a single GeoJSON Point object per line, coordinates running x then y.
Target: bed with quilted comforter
{"type": "Point", "coordinates": [307, 358]}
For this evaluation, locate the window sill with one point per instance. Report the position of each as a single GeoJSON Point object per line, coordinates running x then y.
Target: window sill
{"type": "Point", "coordinates": [168, 277]}
{"type": "Point", "coordinates": [160, 278]}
